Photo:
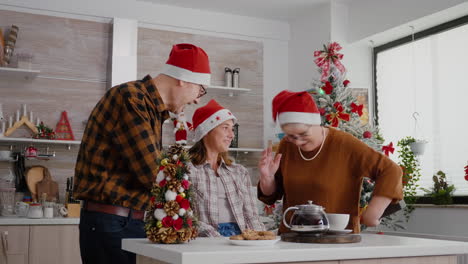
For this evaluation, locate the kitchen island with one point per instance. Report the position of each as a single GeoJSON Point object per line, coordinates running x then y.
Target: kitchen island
{"type": "Point", "coordinates": [373, 248]}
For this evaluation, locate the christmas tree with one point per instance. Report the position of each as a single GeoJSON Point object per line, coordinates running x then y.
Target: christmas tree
{"type": "Point", "coordinates": [170, 218]}
{"type": "Point", "coordinates": [339, 109]}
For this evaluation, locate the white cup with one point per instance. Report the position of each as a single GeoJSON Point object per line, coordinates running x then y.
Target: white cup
{"type": "Point", "coordinates": [48, 212]}
{"type": "Point", "coordinates": [338, 221]}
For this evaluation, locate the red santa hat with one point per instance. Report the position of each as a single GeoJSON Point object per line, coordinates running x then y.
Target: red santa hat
{"type": "Point", "coordinates": [208, 117]}
{"type": "Point", "coordinates": [188, 63]}
{"type": "Point", "coordinates": [295, 107]}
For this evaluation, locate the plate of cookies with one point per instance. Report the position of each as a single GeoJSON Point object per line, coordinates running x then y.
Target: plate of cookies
{"type": "Point", "coordinates": [254, 238]}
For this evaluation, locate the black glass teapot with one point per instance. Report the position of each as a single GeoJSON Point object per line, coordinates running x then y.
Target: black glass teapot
{"type": "Point", "coordinates": [307, 218]}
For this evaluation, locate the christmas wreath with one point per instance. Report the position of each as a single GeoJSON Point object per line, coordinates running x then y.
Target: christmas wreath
{"type": "Point", "coordinates": [170, 219]}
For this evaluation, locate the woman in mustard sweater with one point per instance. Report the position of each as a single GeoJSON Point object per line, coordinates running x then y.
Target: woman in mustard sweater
{"type": "Point", "coordinates": [324, 165]}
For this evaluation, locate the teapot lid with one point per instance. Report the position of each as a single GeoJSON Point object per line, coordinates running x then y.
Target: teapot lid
{"type": "Point", "coordinates": [310, 206]}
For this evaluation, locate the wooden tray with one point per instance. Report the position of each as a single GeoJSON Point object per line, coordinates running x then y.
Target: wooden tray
{"type": "Point", "coordinates": [320, 238]}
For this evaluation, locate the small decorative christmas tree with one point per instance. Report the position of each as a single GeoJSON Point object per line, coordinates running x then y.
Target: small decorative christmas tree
{"type": "Point", "coordinates": [63, 128]}
{"type": "Point", "coordinates": [170, 219]}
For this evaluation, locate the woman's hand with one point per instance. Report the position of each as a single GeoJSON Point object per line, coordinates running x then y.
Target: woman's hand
{"type": "Point", "coordinates": [268, 165]}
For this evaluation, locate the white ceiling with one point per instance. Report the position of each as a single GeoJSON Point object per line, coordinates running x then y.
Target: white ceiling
{"type": "Point", "coordinates": [284, 10]}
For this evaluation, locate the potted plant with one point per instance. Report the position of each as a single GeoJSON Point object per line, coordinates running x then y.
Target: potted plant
{"type": "Point", "coordinates": [411, 173]}
{"type": "Point", "coordinates": [418, 146]}
{"type": "Point", "coordinates": [441, 192]}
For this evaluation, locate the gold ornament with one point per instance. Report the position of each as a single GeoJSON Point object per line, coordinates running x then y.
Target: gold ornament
{"type": "Point", "coordinates": [152, 234]}
{"type": "Point", "coordinates": [194, 233]}
{"type": "Point", "coordinates": [173, 185]}
{"type": "Point", "coordinates": [171, 208]}
{"type": "Point", "coordinates": [164, 162]}
{"type": "Point", "coordinates": [182, 194]}
{"type": "Point", "coordinates": [159, 224]}
{"type": "Point", "coordinates": [184, 234]}
{"type": "Point", "coordinates": [170, 170]}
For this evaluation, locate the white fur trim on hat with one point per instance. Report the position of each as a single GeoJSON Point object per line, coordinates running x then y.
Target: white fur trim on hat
{"type": "Point", "coordinates": [299, 117]}
{"type": "Point", "coordinates": [212, 122]}
{"type": "Point", "coordinates": [187, 75]}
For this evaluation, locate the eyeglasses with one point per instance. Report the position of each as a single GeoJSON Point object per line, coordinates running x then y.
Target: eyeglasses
{"type": "Point", "coordinates": [301, 136]}
{"type": "Point", "coordinates": [202, 91]}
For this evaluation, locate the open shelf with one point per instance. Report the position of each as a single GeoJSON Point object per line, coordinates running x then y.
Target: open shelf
{"type": "Point", "coordinates": [17, 73]}
{"type": "Point", "coordinates": [227, 90]}
{"type": "Point", "coordinates": [39, 141]}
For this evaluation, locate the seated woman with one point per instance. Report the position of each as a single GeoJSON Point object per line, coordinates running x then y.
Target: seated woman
{"type": "Point", "coordinates": [224, 203]}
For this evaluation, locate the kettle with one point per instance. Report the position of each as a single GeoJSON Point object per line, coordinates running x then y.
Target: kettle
{"type": "Point", "coordinates": [307, 218]}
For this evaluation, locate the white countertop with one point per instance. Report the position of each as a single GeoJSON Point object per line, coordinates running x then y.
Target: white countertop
{"type": "Point", "coordinates": [219, 250]}
{"type": "Point", "coordinates": [14, 220]}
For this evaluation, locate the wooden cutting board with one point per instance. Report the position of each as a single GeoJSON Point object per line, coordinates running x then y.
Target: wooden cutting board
{"type": "Point", "coordinates": [34, 175]}
{"type": "Point", "coordinates": [48, 188]}
{"type": "Point", "coordinates": [40, 182]}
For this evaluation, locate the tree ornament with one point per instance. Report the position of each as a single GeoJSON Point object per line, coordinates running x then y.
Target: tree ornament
{"type": "Point", "coordinates": [164, 162]}
{"type": "Point", "coordinates": [159, 214]}
{"type": "Point", "coordinates": [182, 195]}
{"type": "Point", "coordinates": [170, 195]}
{"type": "Point", "coordinates": [367, 134]}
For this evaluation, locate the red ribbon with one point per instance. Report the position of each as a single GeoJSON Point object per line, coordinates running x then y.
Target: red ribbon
{"type": "Point", "coordinates": [329, 55]}
{"type": "Point", "coordinates": [335, 117]}
{"type": "Point", "coordinates": [388, 149]}
{"type": "Point", "coordinates": [356, 108]}
{"type": "Point", "coordinates": [466, 172]}
{"type": "Point", "coordinates": [327, 88]}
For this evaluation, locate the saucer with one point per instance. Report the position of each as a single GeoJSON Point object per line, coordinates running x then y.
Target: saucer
{"type": "Point", "coordinates": [339, 231]}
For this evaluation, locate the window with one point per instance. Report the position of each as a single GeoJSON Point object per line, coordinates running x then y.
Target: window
{"type": "Point", "coordinates": [429, 76]}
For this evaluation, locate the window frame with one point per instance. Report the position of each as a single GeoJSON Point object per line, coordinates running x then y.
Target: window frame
{"type": "Point", "coordinates": [463, 199]}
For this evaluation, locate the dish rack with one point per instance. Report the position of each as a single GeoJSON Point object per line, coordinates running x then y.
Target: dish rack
{"type": "Point", "coordinates": [7, 201]}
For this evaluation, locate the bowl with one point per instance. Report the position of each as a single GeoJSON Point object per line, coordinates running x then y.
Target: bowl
{"type": "Point", "coordinates": [338, 221]}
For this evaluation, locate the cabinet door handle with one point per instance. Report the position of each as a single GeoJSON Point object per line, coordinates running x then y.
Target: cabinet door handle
{"type": "Point", "coordinates": [5, 245]}
{"type": "Point", "coordinates": [5, 242]}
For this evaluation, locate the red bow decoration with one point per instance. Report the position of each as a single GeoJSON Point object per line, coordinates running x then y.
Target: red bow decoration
{"type": "Point", "coordinates": [327, 88]}
{"type": "Point", "coordinates": [335, 117]}
{"type": "Point", "coordinates": [388, 149]}
{"type": "Point", "coordinates": [356, 108]}
{"type": "Point", "coordinates": [466, 172]}
{"type": "Point", "coordinates": [327, 55]}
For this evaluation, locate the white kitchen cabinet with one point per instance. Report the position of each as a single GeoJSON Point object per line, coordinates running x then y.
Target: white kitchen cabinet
{"type": "Point", "coordinates": [14, 242]}
{"type": "Point", "coordinates": [54, 244]}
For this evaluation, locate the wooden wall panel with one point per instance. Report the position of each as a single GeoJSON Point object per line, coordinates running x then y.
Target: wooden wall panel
{"type": "Point", "coordinates": [154, 47]}
{"type": "Point", "coordinates": [75, 53]}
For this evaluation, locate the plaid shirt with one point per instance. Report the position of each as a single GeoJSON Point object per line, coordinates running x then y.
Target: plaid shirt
{"type": "Point", "coordinates": [236, 181]}
{"type": "Point", "coordinates": [116, 163]}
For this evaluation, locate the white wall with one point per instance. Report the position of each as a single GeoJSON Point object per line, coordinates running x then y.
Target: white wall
{"type": "Point", "coordinates": [307, 35]}
{"type": "Point", "coordinates": [370, 17]}
{"type": "Point", "coordinates": [274, 34]}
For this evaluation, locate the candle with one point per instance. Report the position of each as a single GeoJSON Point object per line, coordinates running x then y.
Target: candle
{"type": "Point", "coordinates": [38, 122]}
{"type": "Point", "coordinates": [10, 122]}
{"type": "Point", "coordinates": [31, 116]}
{"type": "Point", "coordinates": [17, 115]}
{"type": "Point", "coordinates": [3, 128]}
{"type": "Point", "coordinates": [25, 113]}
